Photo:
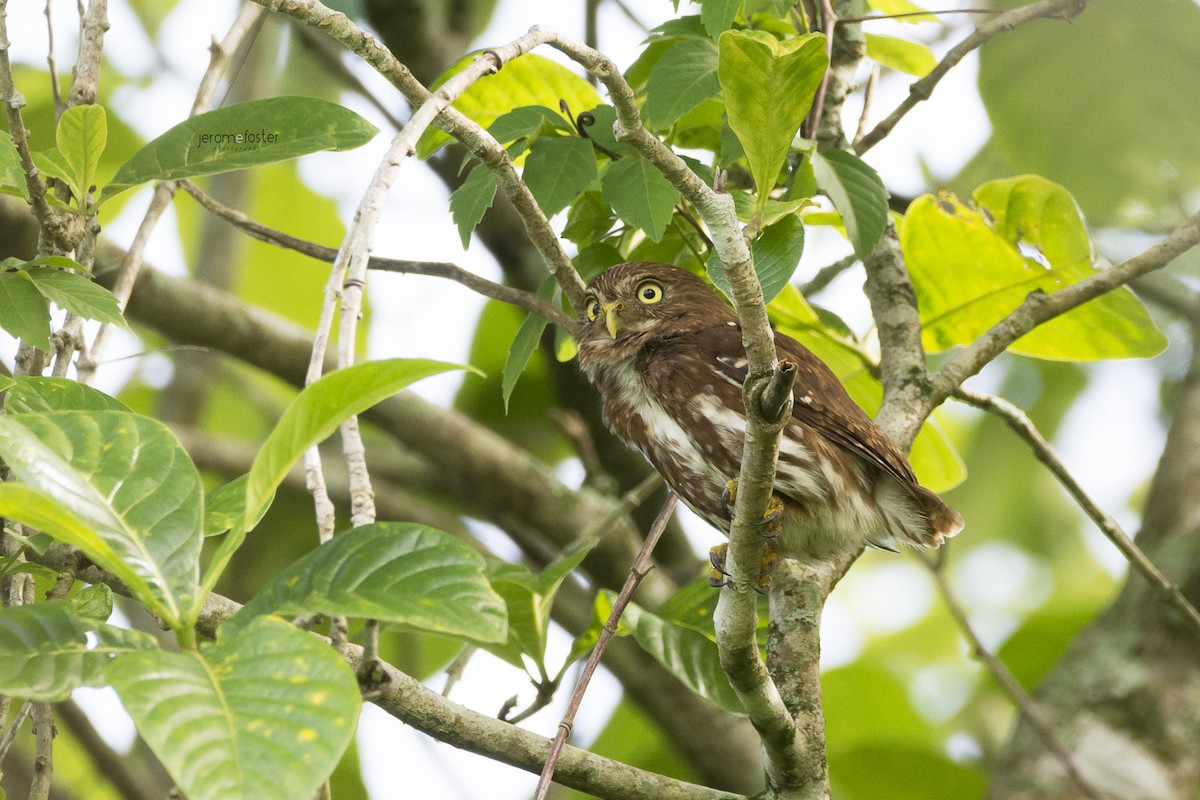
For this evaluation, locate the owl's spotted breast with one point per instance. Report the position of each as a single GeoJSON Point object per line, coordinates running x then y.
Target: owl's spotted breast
{"type": "Point", "coordinates": [665, 353]}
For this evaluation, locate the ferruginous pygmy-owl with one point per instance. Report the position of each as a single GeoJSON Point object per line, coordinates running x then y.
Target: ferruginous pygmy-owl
{"type": "Point", "coordinates": [665, 352]}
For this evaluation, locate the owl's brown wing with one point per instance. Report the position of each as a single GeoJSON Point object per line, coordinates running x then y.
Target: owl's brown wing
{"type": "Point", "coordinates": [819, 400]}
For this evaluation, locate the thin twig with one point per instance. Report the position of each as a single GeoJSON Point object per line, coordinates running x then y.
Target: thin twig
{"type": "Point", "coordinates": [457, 667]}
{"type": "Point", "coordinates": [221, 56]}
{"type": "Point", "coordinates": [93, 24]}
{"type": "Point", "coordinates": [868, 97]}
{"type": "Point", "coordinates": [829, 20]}
{"type": "Point", "coordinates": [529, 301]}
{"type": "Point", "coordinates": [638, 571]}
{"type": "Point", "coordinates": [10, 735]}
{"type": "Point", "coordinates": [13, 102]}
{"type": "Point", "coordinates": [1009, 684]}
{"type": "Point", "coordinates": [55, 89]}
{"type": "Point", "coordinates": [131, 784]}
{"type": "Point", "coordinates": [941, 13]}
{"type": "Point", "coordinates": [1016, 419]}
{"type": "Point", "coordinates": [922, 89]}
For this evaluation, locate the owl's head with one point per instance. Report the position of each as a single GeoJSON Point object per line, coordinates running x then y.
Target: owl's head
{"type": "Point", "coordinates": [632, 303]}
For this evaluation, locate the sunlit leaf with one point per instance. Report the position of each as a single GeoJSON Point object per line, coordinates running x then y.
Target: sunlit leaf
{"type": "Point", "coordinates": [769, 87]}
{"type": "Point", "coordinates": [37, 393]}
{"type": "Point", "coordinates": [78, 295]}
{"type": "Point", "coordinates": [81, 138]}
{"type": "Point", "coordinates": [903, 55]}
{"type": "Point", "coordinates": [264, 714]}
{"type": "Point", "coordinates": [530, 80]}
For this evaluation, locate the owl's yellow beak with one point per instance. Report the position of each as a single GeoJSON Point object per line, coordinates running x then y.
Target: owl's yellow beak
{"type": "Point", "coordinates": [612, 316]}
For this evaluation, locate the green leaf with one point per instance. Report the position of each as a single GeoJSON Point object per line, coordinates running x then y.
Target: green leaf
{"type": "Point", "coordinates": [35, 393]}
{"type": "Point", "coordinates": [857, 193]}
{"type": "Point", "coordinates": [968, 276]}
{"type": "Point", "coordinates": [687, 654]}
{"type": "Point", "coordinates": [530, 80]}
{"type": "Point", "coordinates": [93, 603]}
{"type": "Point", "coordinates": [403, 573]}
{"type": "Point", "coordinates": [903, 55]}
{"type": "Point", "coordinates": [523, 345]}
{"type": "Point", "coordinates": [776, 254]}
{"type": "Point", "coordinates": [261, 715]}
{"type": "Point", "coordinates": [718, 15]}
{"type": "Point", "coordinates": [685, 75]}
{"type": "Point", "coordinates": [588, 219]}
{"type": "Point", "coordinates": [244, 135]}
{"type": "Point", "coordinates": [23, 311]}
{"type": "Point", "coordinates": [119, 487]}
{"type": "Point", "coordinates": [44, 651]}
{"type": "Point", "coordinates": [902, 7]}
{"type": "Point", "coordinates": [558, 169]}
{"type": "Point", "coordinates": [78, 295]}
{"type": "Point", "coordinates": [769, 88]}
{"type": "Point", "coordinates": [640, 195]}
{"type": "Point", "coordinates": [471, 200]}
{"type": "Point", "coordinates": [319, 409]}
{"type": "Point", "coordinates": [53, 164]}
{"type": "Point", "coordinates": [81, 138]}
{"type": "Point", "coordinates": [44, 261]}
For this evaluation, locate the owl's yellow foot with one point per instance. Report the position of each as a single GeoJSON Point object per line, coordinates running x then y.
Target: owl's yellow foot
{"type": "Point", "coordinates": [718, 577]}
{"type": "Point", "coordinates": [772, 517]}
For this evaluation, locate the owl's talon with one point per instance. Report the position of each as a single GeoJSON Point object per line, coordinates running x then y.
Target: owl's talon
{"type": "Point", "coordinates": [717, 576]}
{"type": "Point", "coordinates": [728, 498]}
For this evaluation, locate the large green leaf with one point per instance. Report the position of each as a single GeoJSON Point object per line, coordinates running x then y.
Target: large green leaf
{"type": "Point", "coordinates": [857, 193]}
{"type": "Point", "coordinates": [769, 87]}
{"type": "Point", "coordinates": [968, 274]}
{"type": "Point", "coordinates": [640, 195]}
{"type": "Point", "coordinates": [82, 136]}
{"type": "Point", "coordinates": [264, 714]}
{"type": "Point", "coordinates": [319, 409]}
{"type": "Point", "coordinates": [718, 15]}
{"type": "Point", "coordinates": [118, 486]}
{"type": "Point", "coordinates": [1137, 62]}
{"type": "Point", "coordinates": [45, 654]}
{"type": "Point", "coordinates": [37, 393]}
{"type": "Point", "coordinates": [403, 573]}
{"type": "Point", "coordinates": [558, 169]}
{"type": "Point", "coordinates": [530, 80]}
{"type": "Point", "coordinates": [687, 654]}
{"type": "Point", "coordinates": [244, 135]}
{"type": "Point", "coordinates": [23, 311]}
{"type": "Point", "coordinates": [685, 75]}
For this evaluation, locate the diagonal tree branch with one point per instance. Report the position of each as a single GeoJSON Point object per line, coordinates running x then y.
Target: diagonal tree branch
{"type": "Point", "coordinates": [1020, 423]}
{"type": "Point", "coordinates": [923, 89]}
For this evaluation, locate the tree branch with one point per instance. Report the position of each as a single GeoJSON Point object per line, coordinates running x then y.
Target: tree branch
{"type": "Point", "coordinates": [1009, 684]}
{"type": "Point", "coordinates": [922, 89]}
{"type": "Point", "coordinates": [1016, 419]}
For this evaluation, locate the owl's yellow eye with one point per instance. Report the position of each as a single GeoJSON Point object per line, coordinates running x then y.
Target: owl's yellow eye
{"type": "Point", "coordinates": [592, 306]}
{"type": "Point", "coordinates": [649, 292]}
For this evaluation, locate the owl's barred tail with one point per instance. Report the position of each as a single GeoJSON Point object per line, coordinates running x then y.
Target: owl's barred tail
{"type": "Point", "coordinates": [916, 516]}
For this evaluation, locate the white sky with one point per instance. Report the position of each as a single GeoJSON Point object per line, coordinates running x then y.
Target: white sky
{"type": "Point", "coordinates": [941, 134]}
